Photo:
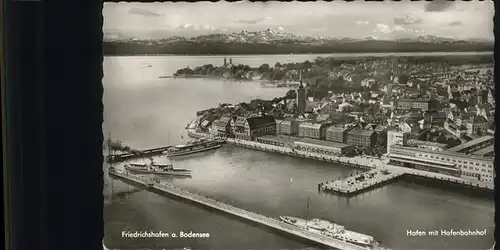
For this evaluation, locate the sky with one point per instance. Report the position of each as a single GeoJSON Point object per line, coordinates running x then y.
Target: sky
{"type": "Point", "coordinates": [358, 19]}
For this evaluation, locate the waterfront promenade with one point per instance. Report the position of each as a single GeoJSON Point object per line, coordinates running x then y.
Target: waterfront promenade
{"type": "Point", "coordinates": [166, 188]}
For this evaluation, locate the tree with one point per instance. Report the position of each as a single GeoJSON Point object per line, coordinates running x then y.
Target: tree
{"type": "Point", "coordinates": [264, 68]}
{"type": "Point", "coordinates": [277, 65]}
{"type": "Point", "coordinates": [307, 65]}
{"type": "Point", "coordinates": [291, 94]}
{"type": "Point", "coordinates": [403, 79]}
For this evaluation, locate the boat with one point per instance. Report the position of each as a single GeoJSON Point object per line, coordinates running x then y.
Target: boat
{"type": "Point", "coordinates": [152, 168]}
{"type": "Point", "coordinates": [196, 146]}
{"type": "Point", "coordinates": [268, 84]}
{"type": "Point", "coordinates": [330, 229]}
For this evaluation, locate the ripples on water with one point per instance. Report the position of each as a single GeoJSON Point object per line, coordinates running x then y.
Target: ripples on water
{"type": "Point", "coordinates": [144, 111]}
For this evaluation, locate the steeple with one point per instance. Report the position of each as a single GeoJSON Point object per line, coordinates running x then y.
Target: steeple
{"type": "Point", "coordinates": [300, 76]}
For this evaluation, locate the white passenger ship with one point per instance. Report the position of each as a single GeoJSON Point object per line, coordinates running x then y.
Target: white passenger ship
{"type": "Point", "coordinates": [152, 168]}
{"type": "Point", "coordinates": [196, 146]}
{"type": "Point", "coordinates": [330, 229]}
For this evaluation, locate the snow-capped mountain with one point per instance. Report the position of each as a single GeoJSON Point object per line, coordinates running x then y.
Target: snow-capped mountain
{"type": "Point", "coordinates": [270, 36]}
{"type": "Point", "coordinates": [244, 36]}
{"type": "Point", "coordinates": [276, 37]}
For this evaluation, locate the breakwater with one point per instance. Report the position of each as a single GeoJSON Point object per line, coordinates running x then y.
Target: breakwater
{"type": "Point", "coordinates": [165, 188]}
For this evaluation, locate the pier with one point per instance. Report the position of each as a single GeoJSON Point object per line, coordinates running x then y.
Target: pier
{"type": "Point", "coordinates": [377, 177]}
{"type": "Point", "coordinates": [156, 185]}
{"type": "Point", "coordinates": [361, 182]}
{"type": "Point", "coordinates": [138, 154]}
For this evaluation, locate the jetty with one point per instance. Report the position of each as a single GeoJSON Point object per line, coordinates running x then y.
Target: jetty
{"type": "Point", "coordinates": [138, 154]}
{"type": "Point", "coordinates": [165, 188]}
{"type": "Point", "coordinates": [378, 177]}
{"type": "Point", "coordinates": [359, 183]}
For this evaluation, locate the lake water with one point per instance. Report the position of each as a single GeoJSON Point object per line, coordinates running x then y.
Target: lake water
{"type": "Point", "coordinates": [144, 111]}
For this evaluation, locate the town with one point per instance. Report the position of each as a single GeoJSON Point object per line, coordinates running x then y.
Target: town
{"type": "Point", "coordinates": [433, 115]}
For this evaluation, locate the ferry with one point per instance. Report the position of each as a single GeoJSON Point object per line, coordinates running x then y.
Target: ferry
{"type": "Point", "coordinates": [166, 169]}
{"type": "Point", "coordinates": [330, 229]}
{"type": "Point", "coordinates": [196, 146]}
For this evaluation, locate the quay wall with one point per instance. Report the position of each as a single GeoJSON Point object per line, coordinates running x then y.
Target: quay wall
{"type": "Point", "coordinates": [239, 212]}
{"type": "Point", "coordinates": [449, 184]}
{"type": "Point", "coordinates": [357, 162]}
{"type": "Point", "coordinates": [369, 163]}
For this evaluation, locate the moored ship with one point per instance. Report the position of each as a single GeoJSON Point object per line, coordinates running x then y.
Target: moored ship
{"type": "Point", "coordinates": [330, 229]}
{"type": "Point", "coordinates": [161, 169]}
{"type": "Point", "coordinates": [195, 146]}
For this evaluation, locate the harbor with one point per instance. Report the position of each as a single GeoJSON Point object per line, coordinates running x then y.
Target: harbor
{"type": "Point", "coordinates": [142, 112]}
{"type": "Point", "coordinates": [165, 188]}
{"type": "Point", "coordinates": [379, 171]}
{"type": "Point", "coordinates": [365, 163]}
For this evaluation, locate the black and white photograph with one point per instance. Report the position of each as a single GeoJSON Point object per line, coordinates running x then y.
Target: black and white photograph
{"type": "Point", "coordinates": [299, 125]}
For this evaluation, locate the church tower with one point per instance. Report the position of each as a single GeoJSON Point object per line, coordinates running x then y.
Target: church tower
{"type": "Point", "coordinates": [301, 97]}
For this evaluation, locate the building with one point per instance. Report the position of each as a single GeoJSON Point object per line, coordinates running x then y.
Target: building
{"type": "Point", "coordinates": [445, 162]}
{"type": "Point", "coordinates": [396, 137]}
{"type": "Point", "coordinates": [404, 104]}
{"type": "Point", "coordinates": [278, 126]}
{"type": "Point", "coordinates": [259, 126]}
{"type": "Point", "coordinates": [474, 145]}
{"type": "Point", "coordinates": [476, 125]}
{"type": "Point", "coordinates": [434, 146]}
{"type": "Point", "coordinates": [238, 127]}
{"type": "Point", "coordinates": [290, 126]}
{"type": "Point", "coordinates": [311, 130]}
{"type": "Point", "coordinates": [223, 126]}
{"type": "Point", "coordinates": [328, 108]}
{"type": "Point", "coordinates": [249, 128]}
{"type": "Point", "coordinates": [420, 104]}
{"type": "Point", "coordinates": [322, 147]}
{"type": "Point", "coordinates": [275, 140]}
{"type": "Point", "coordinates": [301, 98]}
{"type": "Point", "coordinates": [486, 152]}
{"type": "Point", "coordinates": [454, 129]}
{"type": "Point", "coordinates": [337, 134]}
{"type": "Point", "coordinates": [361, 137]}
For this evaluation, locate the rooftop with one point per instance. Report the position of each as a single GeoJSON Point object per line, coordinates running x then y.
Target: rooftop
{"type": "Point", "coordinates": [322, 143]}
{"type": "Point", "coordinates": [277, 138]}
{"type": "Point", "coordinates": [337, 129]}
{"type": "Point", "coordinates": [258, 121]}
{"type": "Point", "coordinates": [444, 153]}
{"type": "Point", "coordinates": [471, 143]}
{"type": "Point", "coordinates": [362, 132]}
{"type": "Point", "coordinates": [310, 125]}
{"type": "Point", "coordinates": [485, 151]}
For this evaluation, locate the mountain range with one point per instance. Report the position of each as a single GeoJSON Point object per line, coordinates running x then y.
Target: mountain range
{"type": "Point", "coordinates": [289, 43]}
